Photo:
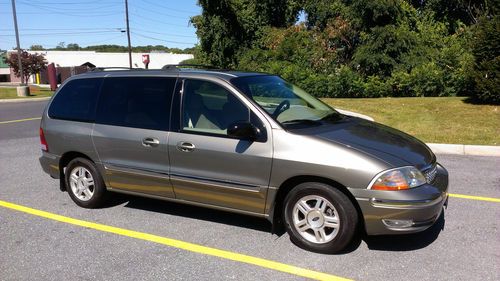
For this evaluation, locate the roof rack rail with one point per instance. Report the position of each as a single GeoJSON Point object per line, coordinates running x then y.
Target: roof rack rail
{"type": "Point", "coordinates": [114, 68]}
{"type": "Point", "coordinates": [177, 66]}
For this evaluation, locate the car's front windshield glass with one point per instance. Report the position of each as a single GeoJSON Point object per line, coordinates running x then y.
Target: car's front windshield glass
{"type": "Point", "coordinates": [285, 102]}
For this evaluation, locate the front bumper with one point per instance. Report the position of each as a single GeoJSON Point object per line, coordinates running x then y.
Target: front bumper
{"type": "Point", "coordinates": [50, 164]}
{"type": "Point", "coordinates": [407, 211]}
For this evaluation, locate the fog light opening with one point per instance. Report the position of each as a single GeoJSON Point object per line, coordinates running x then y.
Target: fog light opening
{"type": "Point", "coordinates": [398, 223]}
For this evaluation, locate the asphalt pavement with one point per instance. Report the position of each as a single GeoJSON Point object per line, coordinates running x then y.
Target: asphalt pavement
{"type": "Point", "coordinates": [463, 245]}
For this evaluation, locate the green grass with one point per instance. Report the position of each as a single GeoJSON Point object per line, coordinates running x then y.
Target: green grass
{"type": "Point", "coordinates": [436, 120]}
{"type": "Point", "coordinates": [35, 92]}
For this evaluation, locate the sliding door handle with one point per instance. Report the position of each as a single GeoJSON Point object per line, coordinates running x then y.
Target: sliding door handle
{"type": "Point", "coordinates": [150, 142]}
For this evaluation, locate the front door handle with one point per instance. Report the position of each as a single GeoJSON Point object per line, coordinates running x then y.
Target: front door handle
{"type": "Point", "coordinates": [150, 142]}
{"type": "Point", "coordinates": [185, 146]}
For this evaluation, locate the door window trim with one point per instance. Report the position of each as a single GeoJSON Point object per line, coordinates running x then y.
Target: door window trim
{"type": "Point", "coordinates": [170, 103]}
{"type": "Point", "coordinates": [178, 105]}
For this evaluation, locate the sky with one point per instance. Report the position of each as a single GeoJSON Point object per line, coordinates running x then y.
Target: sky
{"type": "Point", "coordinates": [96, 22]}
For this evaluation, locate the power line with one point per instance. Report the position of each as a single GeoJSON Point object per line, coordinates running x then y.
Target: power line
{"type": "Point", "coordinates": [65, 14]}
{"type": "Point", "coordinates": [72, 3]}
{"type": "Point", "coordinates": [162, 40]}
{"type": "Point", "coordinates": [167, 7]}
{"type": "Point", "coordinates": [77, 8]}
{"type": "Point", "coordinates": [61, 33]}
{"type": "Point", "coordinates": [74, 28]}
{"type": "Point", "coordinates": [74, 9]}
{"type": "Point", "coordinates": [159, 13]}
{"type": "Point", "coordinates": [62, 13]}
{"type": "Point", "coordinates": [157, 21]}
{"type": "Point", "coordinates": [166, 34]}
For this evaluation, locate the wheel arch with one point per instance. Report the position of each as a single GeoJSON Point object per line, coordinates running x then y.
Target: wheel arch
{"type": "Point", "coordinates": [278, 203]}
{"type": "Point", "coordinates": [64, 161]}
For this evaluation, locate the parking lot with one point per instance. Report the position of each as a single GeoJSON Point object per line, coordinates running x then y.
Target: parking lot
{"type": "Point", "coordinates": [144, 239]}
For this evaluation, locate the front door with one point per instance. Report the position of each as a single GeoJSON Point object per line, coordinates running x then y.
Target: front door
{"type": "Point", "coordinates": [131, 133]}
{"type": "Point", "coordinates": [209, 167]}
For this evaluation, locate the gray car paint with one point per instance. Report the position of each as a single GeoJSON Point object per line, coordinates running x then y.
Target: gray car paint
{"type": "Point", "coordinates": [129, 164]}
{"type": "Point", "coordinates": [349, 153]}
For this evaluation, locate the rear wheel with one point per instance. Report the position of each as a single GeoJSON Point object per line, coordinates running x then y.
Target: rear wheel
{"type": "Point", "coordinates": [319, 217]}
{"type": "Point", "coordinates": [84, 183]}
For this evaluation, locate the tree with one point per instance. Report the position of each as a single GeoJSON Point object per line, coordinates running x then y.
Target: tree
{"type": "Point", "coordinates": [319, 12]}
{"type": "Point", "coordinates": [32, 63]}
{"type": "Point", "coordinates": [454, 13]}
{"type": "Point", "coordinates": [73, 47]}
{"type": "Point", "coordinates": [37, 47]}
{"type": "Point", "coordinates": [61, 46]}
{"type": "Point", "coordinates": [355, 48]}
{"type": "Point", "coordinates": [226, 28]}
{"type": "Point", "coordinates": [486, 51]}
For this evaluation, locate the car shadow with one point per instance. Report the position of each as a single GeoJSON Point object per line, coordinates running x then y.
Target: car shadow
{"type": "Point", "coordinates": [403, 242]}
{"type": "Point", "coordinates": [191, 212]}
{"type": "Point", "coordinates": [406, 242]}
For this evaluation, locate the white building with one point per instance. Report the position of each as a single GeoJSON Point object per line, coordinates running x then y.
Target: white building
{"type": "Point", "coordinates": [101, 59]}
{"type": "Point", "coordinates": [77, 58]}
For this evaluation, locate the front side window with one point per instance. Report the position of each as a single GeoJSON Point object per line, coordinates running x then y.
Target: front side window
{"type": "Point", "coordinates": [210, 108]}
{"type": "Point", "coordinates": [286, 103]}
{"type": "Point", "coordinates": [76, 100]}
{"type": "Point", "coordinates": [137, 102]}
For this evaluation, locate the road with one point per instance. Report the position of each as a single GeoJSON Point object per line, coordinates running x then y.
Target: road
{"type": "Point", "coordinates": [465, 245]}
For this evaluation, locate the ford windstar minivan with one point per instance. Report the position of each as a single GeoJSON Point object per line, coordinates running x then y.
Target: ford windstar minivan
{"type": "Point", "coordinates": [243, 142]}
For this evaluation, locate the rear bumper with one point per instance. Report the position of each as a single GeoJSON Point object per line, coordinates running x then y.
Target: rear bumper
{"type": "Point", "coordinates": [409, 211]}
{"type": "Point", "coordinates": [50, 164]}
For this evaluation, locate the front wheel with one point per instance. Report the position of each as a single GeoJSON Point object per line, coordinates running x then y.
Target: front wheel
{"type": "Point", "coordinates": [84, 183]}
{"type": "Point", "coordinates": [319, 217]}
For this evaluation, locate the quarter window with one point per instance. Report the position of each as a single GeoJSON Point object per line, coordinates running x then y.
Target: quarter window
{"type": "Point", "coordinates": [138, 102]}
{"type": "Point", "coordinates": [76, 100]}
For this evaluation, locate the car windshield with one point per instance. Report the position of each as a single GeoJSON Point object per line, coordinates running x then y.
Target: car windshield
{"type": "Point", "coordinates": [286, 103]}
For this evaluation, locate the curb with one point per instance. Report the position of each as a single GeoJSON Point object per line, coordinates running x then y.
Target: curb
{"type": "Point", "coordinates": [438, 148]}
{"type": "Point", "coordinates": [24, 100]}
{"type": "Point", "coordinates": [462, 149]}
{"type": "Point", "coordinates": [443, 148]}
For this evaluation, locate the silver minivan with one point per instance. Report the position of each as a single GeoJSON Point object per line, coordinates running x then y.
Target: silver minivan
{"type": "Point", "coordinates": [244, 142]}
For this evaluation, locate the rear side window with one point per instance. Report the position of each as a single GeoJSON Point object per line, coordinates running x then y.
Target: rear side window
{"type": "Point", "coordinates": [76, 100]}
{"type": "Point", "coordinates": [138, 102]}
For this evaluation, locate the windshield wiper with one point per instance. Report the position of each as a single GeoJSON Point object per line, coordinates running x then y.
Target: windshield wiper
{"type": "Point", "coordinates": [301, 121]}
{"type": "Point", "coordinates": [334, 116]}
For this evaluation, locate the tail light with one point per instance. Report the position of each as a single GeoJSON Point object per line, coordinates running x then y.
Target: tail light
{"type": "Point", "coordinates": [43, 141]}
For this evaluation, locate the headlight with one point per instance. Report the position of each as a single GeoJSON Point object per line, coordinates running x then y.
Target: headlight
{"type": "Point", "coordinates": [398, 179]}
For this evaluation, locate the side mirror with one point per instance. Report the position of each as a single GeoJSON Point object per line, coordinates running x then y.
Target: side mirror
{"type": "Point", "coordinates": [243, 130]}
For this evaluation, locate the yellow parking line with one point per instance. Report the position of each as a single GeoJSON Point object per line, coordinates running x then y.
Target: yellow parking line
{"type": "Point", "coordinates": [480, 198]}
{"type": "Point", "coordinates": [20, 120]}
{"type": "Point", "coordinates": [178, 244]}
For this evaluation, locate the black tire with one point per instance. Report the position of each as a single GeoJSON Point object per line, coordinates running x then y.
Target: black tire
{"type": "Point", "coordinates": [343, 208]}
{"type": "Point", "coordinates": [98, 188]}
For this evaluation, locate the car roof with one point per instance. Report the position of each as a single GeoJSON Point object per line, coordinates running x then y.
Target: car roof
{"type": "Point", "coordinates": [226, 75]}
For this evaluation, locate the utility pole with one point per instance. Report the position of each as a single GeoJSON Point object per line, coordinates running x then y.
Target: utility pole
{"type": "Point", "coordinates": [17, 41]}
{"type": "Point", "coordinates": [128, 35]}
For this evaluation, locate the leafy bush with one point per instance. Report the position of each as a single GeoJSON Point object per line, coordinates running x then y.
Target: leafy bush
{"type": "Point", "coordinates": [376, 87]}
{"type": "Point", "coordinates": [486, 51]}
{"type": "Point", "coordinates": [359, 48]}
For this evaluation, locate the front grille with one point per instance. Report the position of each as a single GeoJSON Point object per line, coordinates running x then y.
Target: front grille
{"type": "Point", "coordinates": [430, 173]}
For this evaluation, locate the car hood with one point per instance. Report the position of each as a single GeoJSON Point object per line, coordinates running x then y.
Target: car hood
{"type": "Point", "coordinates": [385, 143]}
